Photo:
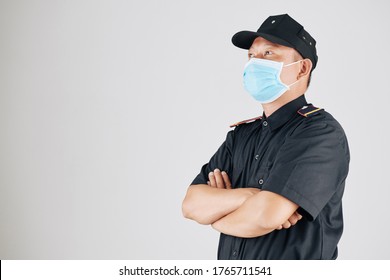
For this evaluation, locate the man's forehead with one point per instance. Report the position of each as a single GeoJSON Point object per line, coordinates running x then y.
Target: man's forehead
{"type": "Point", "coordinates": [260, 41]}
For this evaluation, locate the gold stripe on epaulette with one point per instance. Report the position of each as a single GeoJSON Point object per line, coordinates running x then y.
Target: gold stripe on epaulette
{"type": "Point", "coordinates": [315, 110]}
{"type": "Point", "coordinates": [245, 121]}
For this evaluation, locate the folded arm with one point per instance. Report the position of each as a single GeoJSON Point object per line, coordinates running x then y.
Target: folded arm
{"type": "Point", "coordinates": [208, 203]}
{"type": "Point", "coordinates": [259, 215]}
{"type": "Point", "coordinates": [242, 212]}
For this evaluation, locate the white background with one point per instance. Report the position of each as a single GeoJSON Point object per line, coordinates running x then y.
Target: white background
{"type": "Point", "coordinates": [108, 109]}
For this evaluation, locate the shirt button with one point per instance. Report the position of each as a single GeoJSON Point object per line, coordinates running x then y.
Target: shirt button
{"type": "Point", "coordinates": [257, 157]}
{"type": "Point", "coordinates": [261, 181]}
{"type": "Point", "coordinates": [234, 253]}
{"type": "Point", "coordinates": [265, 123]}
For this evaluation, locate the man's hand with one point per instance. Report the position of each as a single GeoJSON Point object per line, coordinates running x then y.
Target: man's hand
{"type": "Point", "coordinates": [219, 180]}
{"type": "Point", "coordinates": [291, 221]}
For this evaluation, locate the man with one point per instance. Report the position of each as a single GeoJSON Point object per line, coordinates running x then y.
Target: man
{"type": "Point", "coordinates": [274, 187]}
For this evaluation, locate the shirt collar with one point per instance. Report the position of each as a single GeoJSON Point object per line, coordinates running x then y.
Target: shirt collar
{"type": "Point", "coordinates": [285, 113]}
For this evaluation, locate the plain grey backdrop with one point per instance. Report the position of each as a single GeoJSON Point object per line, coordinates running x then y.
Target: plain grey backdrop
{"type": "Point", "coordinates": [108, 110]}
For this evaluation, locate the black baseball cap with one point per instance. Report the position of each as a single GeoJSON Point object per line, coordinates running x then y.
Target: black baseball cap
{"type": "Point", "coordinates": [282, 30]}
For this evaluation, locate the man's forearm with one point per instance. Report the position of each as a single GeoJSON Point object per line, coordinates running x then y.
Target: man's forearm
{"type": "Point", "coordinates": [234, 224]}
{"type": "Point", "coordinates": [206, 205]}
{"type": "Point", "coordinates": [258, 215]}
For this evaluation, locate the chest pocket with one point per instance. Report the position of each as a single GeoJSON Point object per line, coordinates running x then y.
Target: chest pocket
{"type": "Point", "coordinates": [258, 178]}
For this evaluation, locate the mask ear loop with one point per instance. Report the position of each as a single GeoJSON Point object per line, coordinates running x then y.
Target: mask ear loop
{"type": "Point", "coordinates": [289, 65]}
{"type": "Point", "coordinates": [292, 63]}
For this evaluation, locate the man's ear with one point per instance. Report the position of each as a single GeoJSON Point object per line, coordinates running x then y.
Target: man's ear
{"type": "Point", "coordinates": [306, 68]}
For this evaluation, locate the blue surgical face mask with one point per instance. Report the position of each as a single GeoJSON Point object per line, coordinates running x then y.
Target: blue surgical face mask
{"type": "Point", "coordinates": [262, 79]}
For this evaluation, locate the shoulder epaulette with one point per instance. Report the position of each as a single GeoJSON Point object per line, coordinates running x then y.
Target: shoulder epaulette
{"type": "Point", "coordinates": [308, 110]}
{"type": "Point", "coordinates": [246, 121]}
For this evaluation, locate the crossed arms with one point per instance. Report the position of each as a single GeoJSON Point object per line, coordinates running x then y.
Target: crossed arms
{"type": "Point", "coordinates": [241, 212]}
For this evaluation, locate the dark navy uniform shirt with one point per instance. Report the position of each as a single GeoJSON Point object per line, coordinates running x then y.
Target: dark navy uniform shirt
{"type": "Point", "coordinates": [304, 159]}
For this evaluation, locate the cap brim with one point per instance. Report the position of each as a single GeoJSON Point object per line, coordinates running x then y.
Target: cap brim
{"type": "Point", "coordinates": [244, 39]}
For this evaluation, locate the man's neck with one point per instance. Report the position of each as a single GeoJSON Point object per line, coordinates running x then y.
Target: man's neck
{"type": "Point", "coordinates": [272, 107]}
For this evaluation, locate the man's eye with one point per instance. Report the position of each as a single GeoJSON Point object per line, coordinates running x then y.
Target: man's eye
{"type": "Point", "coordinates": [267, 52]}
{"type": "Point", "coordinates": [251, 55]}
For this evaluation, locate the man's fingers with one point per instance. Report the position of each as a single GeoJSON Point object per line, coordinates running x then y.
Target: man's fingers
{"type": "Point", "coordinates": [293, 219]}
{"type": "Point", "coordinates": [226, 179]}
{"type": "Point", "coordinates": [286, 224]}
{"type": "Point", "coordinates": [219, 179]}
{"type": "Point", "coordinates": [212, 181]}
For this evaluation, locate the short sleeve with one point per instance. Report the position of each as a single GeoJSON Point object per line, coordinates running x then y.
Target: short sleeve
{"type": "Point", "coordinates": [311, 166]}
{"type": "Point", "coordinates": [222, 159]}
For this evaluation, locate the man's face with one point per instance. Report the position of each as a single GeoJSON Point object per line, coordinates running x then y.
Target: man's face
{"type": "Point", "coordinates": [264, 49]}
